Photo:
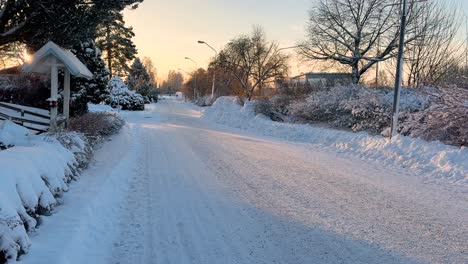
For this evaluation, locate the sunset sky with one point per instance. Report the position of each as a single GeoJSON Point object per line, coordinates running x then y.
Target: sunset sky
{"type": "Point", "coordinates": [167, 31]}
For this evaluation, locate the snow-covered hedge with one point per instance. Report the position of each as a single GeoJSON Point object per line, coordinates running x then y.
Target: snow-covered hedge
{"type": "Point", "coordinates": [122, 96]}
{"type": "Point", "coordinates": [427, 113]}
{"type": "Point", "coordinates": [356, 107]}
{"type": "Point", "coordinates": [34, 172]}
{"type": "Point", "coordinates": [433, 160]}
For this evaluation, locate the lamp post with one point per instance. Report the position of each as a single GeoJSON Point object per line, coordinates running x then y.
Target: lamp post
{"type": "Point", "coordinates": [214, 70]}
{"type": "Point", "coordinates": [399, 70]}
{"type": "Point", "coordinates": [196, 64]}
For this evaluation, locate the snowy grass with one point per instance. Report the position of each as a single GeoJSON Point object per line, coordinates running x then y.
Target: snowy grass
{"type": "Point", "coordinates": [434, 160]}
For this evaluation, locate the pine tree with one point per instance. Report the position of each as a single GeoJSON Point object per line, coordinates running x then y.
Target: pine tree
{"type": "Point", "coordinates": [95, 89]}
{"type": "Point", "coordinates": [137, 75]}
{"type": "Point", "coordinates": [115, 40]}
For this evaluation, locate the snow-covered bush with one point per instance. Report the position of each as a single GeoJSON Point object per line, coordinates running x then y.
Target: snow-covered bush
{"type": "Point", "coordinates": [323, 106]}
{"type": "Point", "coordinates": [33, 174]}
{"type": "Point", "coordinates": [276, 107]}
{"type": "Point", "coordinates": [446, 118]}
{"type": "Point", "coordinates": [122, 96]}
{"type": "Point", "coordinates": [98, 125]}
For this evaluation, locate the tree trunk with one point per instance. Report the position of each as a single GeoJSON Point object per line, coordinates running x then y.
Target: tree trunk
{"type": "Point", "coordinates": [109, 51]}
{"type": "Point", "coordinates": [355, 73]}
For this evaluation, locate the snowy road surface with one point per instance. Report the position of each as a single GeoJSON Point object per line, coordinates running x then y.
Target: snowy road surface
{"type": "Point", "coordinates": [174, 188]}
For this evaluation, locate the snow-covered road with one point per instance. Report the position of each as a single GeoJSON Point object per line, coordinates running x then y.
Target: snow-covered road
{"type": "Point", "coordinates": [175, 188]}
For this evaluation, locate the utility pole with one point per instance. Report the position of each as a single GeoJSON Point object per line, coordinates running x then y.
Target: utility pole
{"type": "Point", "coordinates": [399, 73]}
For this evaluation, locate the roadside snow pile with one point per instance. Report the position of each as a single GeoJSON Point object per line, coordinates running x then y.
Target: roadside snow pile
{"type": "Point", "coordinates": [432, 159]}
{"type": "Point", "coordinates": [122, 96]}
{"type": "Point", "coordinates": [34, 172]}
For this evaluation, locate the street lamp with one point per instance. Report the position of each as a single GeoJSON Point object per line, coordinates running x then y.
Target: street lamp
{"type": "Point", "coordinates": [196, 64]}
{"type": "Point", "coordinates": [399, 70]}
{"type": "Point", "coordinates": [214, 70]}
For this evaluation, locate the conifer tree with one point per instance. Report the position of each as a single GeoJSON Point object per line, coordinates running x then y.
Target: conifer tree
{"type": "Point", "coordinates": [137, 74]}
{"type": "Point", "coordinates": [96, 89]}
{"type": "Point", "coordinates": [115, 40]}
{"type": "Point", "coordinates": [139, 79]}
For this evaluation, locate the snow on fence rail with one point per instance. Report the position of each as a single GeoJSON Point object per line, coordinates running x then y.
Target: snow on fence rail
{"type": "Point", "coordinates": [31, 118]}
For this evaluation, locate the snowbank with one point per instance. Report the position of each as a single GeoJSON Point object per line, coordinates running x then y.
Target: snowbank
{"type": "Point", "coordinates": [34, 172]}
{"type": "Point", "coordinates": [13, 135]}
{"type": "Point", "coordinates": [434, 160]}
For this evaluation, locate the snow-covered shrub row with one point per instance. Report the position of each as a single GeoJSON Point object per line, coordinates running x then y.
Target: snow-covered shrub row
{"type": "Point", "coordinates": [123, 97]}
{"type": "Point", "coordinates": [433, 114]}
{"type": "Point", "coordinates": [356, 107]}
{"type": "Point", "coordinates": [432, 159]}
{"type": "Point", "coordinates": [33, 174]}
{"type": "Point", "coordinates": [97, 125]}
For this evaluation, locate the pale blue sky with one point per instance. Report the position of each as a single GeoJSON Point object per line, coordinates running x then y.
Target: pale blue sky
{"type": "Point", "coordinates": [167, 31]}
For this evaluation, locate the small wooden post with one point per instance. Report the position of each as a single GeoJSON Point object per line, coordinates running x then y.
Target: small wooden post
{"type": "Point", "coordinates": [22, 117]}
{"type": "Point", "coordinates": [53, 96]}
{"type": "Point", "coordinates": [66, 97]}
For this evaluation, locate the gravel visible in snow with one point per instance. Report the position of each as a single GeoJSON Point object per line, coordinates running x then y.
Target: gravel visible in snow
{"type": "Point", "coordinates": [433, 160]}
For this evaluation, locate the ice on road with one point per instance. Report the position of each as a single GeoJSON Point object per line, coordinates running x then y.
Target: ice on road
{"type": "Point", "coordinates": [174, 188]}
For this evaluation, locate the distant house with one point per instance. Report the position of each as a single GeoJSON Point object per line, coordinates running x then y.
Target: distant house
{"type": "Point", "coordinates": [323, 79]}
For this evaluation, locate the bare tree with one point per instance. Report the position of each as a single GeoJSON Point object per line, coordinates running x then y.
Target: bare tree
{"type": "Point", "coordinates": [435, 54]}
{"type": "Point", "coordinates": [253, 61]}
{"type": "Point", "coordinates": [174, 82]}
{"type": "Point", "coordinates": [152, 71]}
{"type": "Point", "coordinates": [357, 33]}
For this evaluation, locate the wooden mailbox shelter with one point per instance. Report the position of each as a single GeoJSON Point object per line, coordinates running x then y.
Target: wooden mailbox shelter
{"type": "Point", "coordinates": [49, 60]}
